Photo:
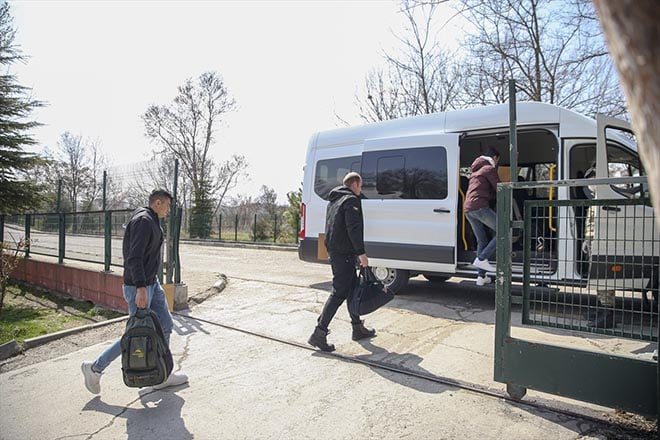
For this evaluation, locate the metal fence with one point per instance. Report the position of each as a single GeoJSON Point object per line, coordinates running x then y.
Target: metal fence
{"type": "Point", "coordinates": [243, 225]}
{"type": "Point", "coordinates": [590, 269]}
{"type": "Point", "coordinates": [93, 237]}
{"type": "Point", "coordinates": [96, 236]}
{"type": "Point", "coordinates": [618, 291]}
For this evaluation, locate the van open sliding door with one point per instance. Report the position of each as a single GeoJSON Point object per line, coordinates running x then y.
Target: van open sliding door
{"type": "Point", "coordinates": [411, 186]}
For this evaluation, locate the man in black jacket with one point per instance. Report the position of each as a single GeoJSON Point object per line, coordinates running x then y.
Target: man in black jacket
{"type": "Point", "coordinates": [143, 240]}
{"type": "Point", "coordinates": [344, 240]}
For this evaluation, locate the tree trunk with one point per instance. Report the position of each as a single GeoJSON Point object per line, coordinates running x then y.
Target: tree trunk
{"type": "Point", "coordinates": [3, 289]}
{"type": "Point", "coordinates": [632, 31]}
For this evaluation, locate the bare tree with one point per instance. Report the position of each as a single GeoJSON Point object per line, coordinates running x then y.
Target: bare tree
{"type": "Point", "coordinates": [383, 100]}
{"type": "Point", "coordinates": [73, 166]}
{"type": "Point", "coordinates": [186, 129]}
{"type": "Point", "coordinates": [554, 50]}
{"type": "Point", "coordinates": [144, 177]}
{"type": "Point", "coordinates": [230, 172]}
{"type": "Point", "coordinates": [92, 194]}
{"type": "Point", "coordinates": [268, 200]}
{"type": "Point", "coordinates": [632, 33]}
{"type": "Point", "coordinates": [423, 78]}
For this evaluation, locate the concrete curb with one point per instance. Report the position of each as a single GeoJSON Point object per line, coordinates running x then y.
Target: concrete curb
{"type": "Point", "coordinates": [13, 348]}
{"type": "Point", "coordinates": [218, 287]}
{"type": "Point", "coordinates": [9, 349]}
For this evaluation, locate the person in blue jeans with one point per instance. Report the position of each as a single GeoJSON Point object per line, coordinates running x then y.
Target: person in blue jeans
{"type": "Point", "coordinates": [143, 239]}
{"type": "Point", "coordinates": [482, 189]}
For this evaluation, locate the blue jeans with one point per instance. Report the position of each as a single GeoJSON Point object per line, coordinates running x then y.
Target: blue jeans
{"type": "Point", "coordinates": [156, 302]}
{"type": "Point", "coordinates": [480, 219]}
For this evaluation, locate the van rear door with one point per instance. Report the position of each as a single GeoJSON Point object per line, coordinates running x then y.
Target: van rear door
{"type": "Point", "coordinates": [624, 249]}
{"type": "Point", "coordinates": [411, 188]}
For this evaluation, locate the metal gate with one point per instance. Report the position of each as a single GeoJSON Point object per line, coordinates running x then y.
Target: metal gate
{"type": "Point", "coordinates": [607, 289]}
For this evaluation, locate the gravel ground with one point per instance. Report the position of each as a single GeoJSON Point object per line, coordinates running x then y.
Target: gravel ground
{"type": "Point", "coordinates": [65, 345]}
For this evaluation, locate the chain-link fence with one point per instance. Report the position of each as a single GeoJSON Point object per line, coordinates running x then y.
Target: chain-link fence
{"type": "Point", "coordinates": [93, 237]}
{"type": "Point", "coordinates": [244, 224]}
{"type": "Point", "coordinates": [590, 272]}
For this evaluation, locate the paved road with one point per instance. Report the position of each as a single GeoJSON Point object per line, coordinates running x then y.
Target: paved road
{"type": "Point", "coordinates": [246, 387]}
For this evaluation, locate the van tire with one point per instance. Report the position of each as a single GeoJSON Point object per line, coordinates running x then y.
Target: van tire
{"type": "Point", "coordinates": [436, 278]}
{"type": "Point", "coordinates": [394, 279]}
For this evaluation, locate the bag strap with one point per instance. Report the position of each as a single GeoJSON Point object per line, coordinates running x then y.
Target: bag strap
{"type": "Point", "coordinates": [367, 273]}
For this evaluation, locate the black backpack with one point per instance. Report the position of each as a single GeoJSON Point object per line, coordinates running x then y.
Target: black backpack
{"type": "Point", "coordinates": [146, 359]}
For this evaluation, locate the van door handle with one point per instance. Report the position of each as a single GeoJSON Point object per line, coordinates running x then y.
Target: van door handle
{"type": "Point", "coordinates": [611, 208]}
{"type": "Point", "coordinates": [442, 210]}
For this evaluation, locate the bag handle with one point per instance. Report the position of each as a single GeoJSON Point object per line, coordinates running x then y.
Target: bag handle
{"type": "Point", "coordinates": [367, 273]}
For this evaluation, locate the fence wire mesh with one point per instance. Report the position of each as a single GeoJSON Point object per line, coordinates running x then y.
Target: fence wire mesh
{"type": "Point", "coordinates": [75, 236]}
{"type": "Point", "coordinates": [602, 277]}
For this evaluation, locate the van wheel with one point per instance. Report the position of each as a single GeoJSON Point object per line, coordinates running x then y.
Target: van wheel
{"type": "Point", "coordinates": [436, 278]}
{"type": "Point", "coordinates": [394, 279]}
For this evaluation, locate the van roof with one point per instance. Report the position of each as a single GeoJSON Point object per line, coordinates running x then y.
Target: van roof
{"type": "Point", "coordinates": [493, 116]}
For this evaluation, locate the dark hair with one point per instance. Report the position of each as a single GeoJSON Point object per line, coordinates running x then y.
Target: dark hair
{"type": "Point", "coordinates": [159, 194]}
{"type": "Point", "coordinates": [491, 152]}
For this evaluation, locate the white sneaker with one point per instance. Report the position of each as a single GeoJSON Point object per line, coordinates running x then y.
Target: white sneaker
{"type": "Point", "coordinates": [92, 378]}
{"type": "Point", "coordinates": [482, 281]}
{"type": "Point", "coordinates": [484, 264]}
{"type": "Point", "coordinates": [173, 380]}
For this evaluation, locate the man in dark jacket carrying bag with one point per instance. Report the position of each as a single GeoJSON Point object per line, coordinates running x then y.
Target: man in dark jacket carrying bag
{"type": "Point", "coordinates": [143, 239]}
{"type": "Point", "coordinates": [344, 240]}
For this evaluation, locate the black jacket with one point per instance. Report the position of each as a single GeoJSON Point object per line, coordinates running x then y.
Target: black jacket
{"type": "Point", "coordinates": [344, 225]}
{"type": "Point", "coordinates": [143, 239]}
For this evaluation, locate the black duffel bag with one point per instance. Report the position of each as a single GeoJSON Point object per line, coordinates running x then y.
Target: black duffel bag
{"type": "Point", "coordinates": [369, 294]}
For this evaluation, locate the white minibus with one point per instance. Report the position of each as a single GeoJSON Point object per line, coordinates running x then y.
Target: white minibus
{"type": "Point", "coordinates": [415, 173]}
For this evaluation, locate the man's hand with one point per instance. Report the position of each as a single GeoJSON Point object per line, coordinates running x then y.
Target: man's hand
{"type": "Point", "coordinates": [586, 247]}
{"type": "Point", "coordinates": [141, 298]}
{"type": "Point", "coordinates": [363, 260]}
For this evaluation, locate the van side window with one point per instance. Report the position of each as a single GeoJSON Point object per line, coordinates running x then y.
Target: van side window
{"type": "Point", "coordinates": [411, 173]}
{"type": "Point", "coordinates": [621, 162]}
{"type": "Point", "coordinates": [330, 173]}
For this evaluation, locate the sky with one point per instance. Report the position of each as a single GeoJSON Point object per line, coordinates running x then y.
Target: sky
{"type": "Point", "coordinates": [291, 66]}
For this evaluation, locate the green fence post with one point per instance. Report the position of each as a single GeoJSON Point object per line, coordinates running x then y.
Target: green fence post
{"type": "Point", "coordinates": [254, 228]}
{"type": "Point", "coordinates": [108, 240]}
{"type": "Point", "coordinates": [171, 229]}
{"type": "Point", "coordinates": [159, 273]}
{"type": "Point", "coordinates": [28, 223]}
{"type": "Point", "coordinates": [513, 138]}
{"type": "Point", "coordinates": [503, 279]}
{"type": "Point", "coordinates": [105, 184]}
{"type": "Point", "coordinates": [220, 227]}
{"type": "Point", "coordinates": [236, 228]}
{"type": "Point", "coordinates": [275, 229]}
{"type": "Point", "coordinates": [2, 228]}
{"type": "Point", "coordinates": [177, 237]}
{"type": "Point", "coordinates": [61, 230]}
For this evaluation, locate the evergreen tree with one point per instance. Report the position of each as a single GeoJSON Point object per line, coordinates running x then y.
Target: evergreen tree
{"type": "Point", "coordinates": [17, 193]}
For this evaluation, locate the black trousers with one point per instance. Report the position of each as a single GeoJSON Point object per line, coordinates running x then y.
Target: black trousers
{"type": "Point", "coordinates": [344, 279]}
